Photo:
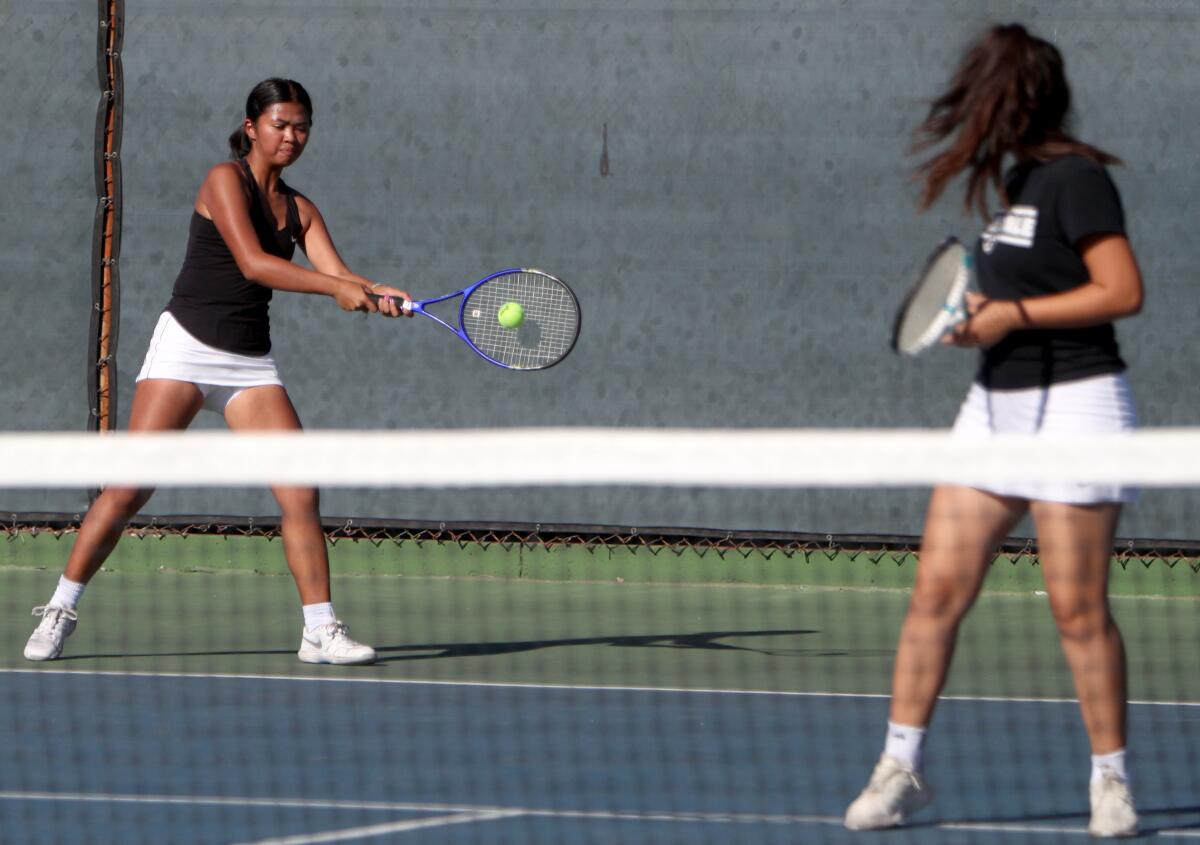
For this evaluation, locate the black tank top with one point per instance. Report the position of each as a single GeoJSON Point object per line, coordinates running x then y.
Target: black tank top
{"type": "Point", "coordinates": [212, 300]}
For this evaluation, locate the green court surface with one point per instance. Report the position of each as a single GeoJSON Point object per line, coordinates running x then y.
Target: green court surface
{"type": "Point", "coordinates": [581, 617]}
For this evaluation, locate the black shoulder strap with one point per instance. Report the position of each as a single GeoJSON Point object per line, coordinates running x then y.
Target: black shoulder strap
{"type": "Point", "coordinates": [248, 175]}
{"type": "Point", "coordinates": [295, 228]}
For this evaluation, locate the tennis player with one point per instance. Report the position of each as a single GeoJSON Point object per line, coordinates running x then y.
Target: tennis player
{"type": "Point", "coordinates": [1055, 270]}
{"type": "Point", "coordinates": [211, 350]}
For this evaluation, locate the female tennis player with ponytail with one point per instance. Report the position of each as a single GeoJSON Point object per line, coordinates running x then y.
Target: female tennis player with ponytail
{"type": "Point", "coordinates": [1055, 270]}
{"type": "Point", "coordinates": [211, 351]}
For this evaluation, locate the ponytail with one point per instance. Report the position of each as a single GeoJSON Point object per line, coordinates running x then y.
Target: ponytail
{"type": "Point", "coordinates": [239, 143]}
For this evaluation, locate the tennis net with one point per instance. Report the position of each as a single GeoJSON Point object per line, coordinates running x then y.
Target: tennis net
{"type": "Point", "coordinates": [550, 670]}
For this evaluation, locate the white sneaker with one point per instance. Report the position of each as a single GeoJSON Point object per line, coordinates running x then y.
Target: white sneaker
{"type": "Point", "coordinates": [332, 644]}
{"type": "Point", "coordinates": [1112, 808]}
{"type": "Point", "coordinates": [891, 796]}
{"type": "Point", "coordinates": [46, 642]}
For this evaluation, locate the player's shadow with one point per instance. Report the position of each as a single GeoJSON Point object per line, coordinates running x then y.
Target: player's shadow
{"type": "Point", "coordinates": [1150, 826]}
{"type": "Point", "coordinates": [1151, 821]}
{"type": "Point", "coordinates": [702, 641]}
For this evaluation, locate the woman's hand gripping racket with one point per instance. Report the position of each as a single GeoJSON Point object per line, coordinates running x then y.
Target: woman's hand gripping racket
{"type": "Point", "coordinates": [519, 319]}
{"type": "Point", "coordinates": [936, 302]}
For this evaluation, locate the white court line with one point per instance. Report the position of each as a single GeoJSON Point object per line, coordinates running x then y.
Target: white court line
{"type": "Point", "coordinates": [372, 830]}
{"type": "Point", "coordinates": [411, 807]}
{"type": "Point", "coordinates": [112, 673]}
{"type": "Point", "coordinates": [467, 813]}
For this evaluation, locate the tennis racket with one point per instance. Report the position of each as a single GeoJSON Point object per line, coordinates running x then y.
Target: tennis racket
{"type": "Point", "coordinates": [935, 303]}
{"type": "Point", "coordinates": [546, 334]}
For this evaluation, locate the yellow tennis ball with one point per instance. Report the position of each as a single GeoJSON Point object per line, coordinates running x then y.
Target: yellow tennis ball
{"type": "Point", "coordinates": [510, 315]}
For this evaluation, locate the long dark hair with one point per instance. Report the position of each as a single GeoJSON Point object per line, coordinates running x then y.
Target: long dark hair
{"type": "Point", "coordinates": [265, 94]}
{"type": "Point", "coordinates": [1009, 95]}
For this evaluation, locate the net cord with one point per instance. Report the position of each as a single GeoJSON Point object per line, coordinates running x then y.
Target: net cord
{"type": "Point", "coordinates": [572, 457]}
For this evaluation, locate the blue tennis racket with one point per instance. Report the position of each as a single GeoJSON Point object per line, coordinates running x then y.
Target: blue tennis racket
{"type": "Point", "coordinates": [543, 336]}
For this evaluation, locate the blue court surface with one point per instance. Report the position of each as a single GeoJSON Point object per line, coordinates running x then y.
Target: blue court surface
{"type": "Point", "coordinates": [306, 760]}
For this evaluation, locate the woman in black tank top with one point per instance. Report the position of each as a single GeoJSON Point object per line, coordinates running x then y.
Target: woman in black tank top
{"type": "Point", "coordinates": [244, 229]}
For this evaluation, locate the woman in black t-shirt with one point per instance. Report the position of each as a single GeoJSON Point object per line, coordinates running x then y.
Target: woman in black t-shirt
{"type": "Point", "coordinates": [1055, 270]}
{"type": "Point", "coordinates": [211, 351]}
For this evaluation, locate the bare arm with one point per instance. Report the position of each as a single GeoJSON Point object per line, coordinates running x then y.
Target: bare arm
{"type": "Point", "coordinates": [317, 244]}
{"type": "Point", "coordinates": [1114, 290]}
{"type": "Point", "coordinates": [224, 198]}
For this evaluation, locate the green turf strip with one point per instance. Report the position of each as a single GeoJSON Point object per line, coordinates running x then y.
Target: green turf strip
{"type": "Point", "coordinates": [148, 553]}
{"type": "Point", "coordinates": [553, 632]}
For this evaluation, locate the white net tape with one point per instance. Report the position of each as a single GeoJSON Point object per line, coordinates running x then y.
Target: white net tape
{"type": "Point", "coordinates": [595, 456]}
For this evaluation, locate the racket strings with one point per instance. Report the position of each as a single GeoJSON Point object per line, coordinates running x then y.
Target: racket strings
{"type": "Point", "coordinates": [547, 333]}
{"type": "Point", "coordinates": [934, 303]}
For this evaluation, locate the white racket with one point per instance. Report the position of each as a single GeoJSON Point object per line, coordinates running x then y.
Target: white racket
{"type": "Point", "coordinates": [935, 303]}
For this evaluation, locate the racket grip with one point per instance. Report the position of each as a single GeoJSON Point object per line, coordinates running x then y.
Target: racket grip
{"type": "Point", "coordinates": [406, 305]}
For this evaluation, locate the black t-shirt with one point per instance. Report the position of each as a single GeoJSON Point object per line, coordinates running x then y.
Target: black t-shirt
{"type": "Point", "coordinates": [1032, 249]}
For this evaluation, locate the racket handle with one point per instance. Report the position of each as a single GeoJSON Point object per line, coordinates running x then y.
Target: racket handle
{"type": "Point", "coordinates": [406, 305]}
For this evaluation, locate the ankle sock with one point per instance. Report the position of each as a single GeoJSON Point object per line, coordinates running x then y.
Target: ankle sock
{"type": "Point", "coordinates": [904, 742]}
{"type": "Point", "coordinates": [1111, 763]}
{"type": "Point", "coordinates": [68, 593]}
{"type": "Point", "coordinates": [318, 615]}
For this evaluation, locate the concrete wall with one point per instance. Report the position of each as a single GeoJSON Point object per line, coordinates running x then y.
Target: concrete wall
{"type": "Point", "coordinates": [49, 89]}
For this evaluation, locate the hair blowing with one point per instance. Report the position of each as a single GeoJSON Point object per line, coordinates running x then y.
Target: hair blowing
{"type": "Point", "coordinates": [264, 95]}
{"type": "Point", "coordinates": [1009, 95]}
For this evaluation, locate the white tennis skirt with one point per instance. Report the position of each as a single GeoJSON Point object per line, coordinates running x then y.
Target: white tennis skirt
{"type": "Point", "coordinates": [220, 375]}
{"type": "Point", "coordinates": [1097, 405]}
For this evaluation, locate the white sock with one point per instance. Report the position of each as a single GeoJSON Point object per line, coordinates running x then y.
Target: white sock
{"type": "Point", "coordinates": [318, 615]}
{"type": "Point", "coordinates": [68, 593]}
{"type": "Point", "coordinates": [904, 743]}
{"type": "Point", "coordinates": [1112, 763]}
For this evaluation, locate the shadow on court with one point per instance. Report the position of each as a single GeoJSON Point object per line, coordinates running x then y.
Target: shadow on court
{"type": "Point", "coordinates": [1152, 820]}
{"type": "Point", "coordinates": [703, 640]}
{"type": "Point", "coordinates": [1150, 825]}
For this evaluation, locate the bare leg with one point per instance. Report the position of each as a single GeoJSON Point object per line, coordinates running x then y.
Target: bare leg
{"type": "Point", "coordinates": [962, 529]}
{"type": "Point", "coordinates": [268, 408]}
{"type": "Point", "coordinates": [158, 405]}
{"type": "Point", "coordinates": [1075, 546]}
